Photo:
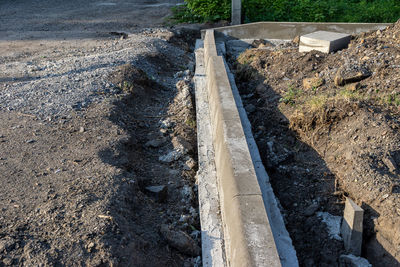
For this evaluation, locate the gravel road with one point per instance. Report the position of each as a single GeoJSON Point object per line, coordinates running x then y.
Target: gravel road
{"type": "Point", "coordinates": [76, 167]}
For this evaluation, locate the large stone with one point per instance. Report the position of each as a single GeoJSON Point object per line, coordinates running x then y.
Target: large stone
{"type": "Point", "coordinates": [352, 227]}
{"type": "Point", "coordinates": [180, 241]}
{"type": "Point", "coordinates": [353, 261]}
{"type": "Point", "coordinates": [160, 192]}
{"type": "Point", "coordinates": [324, 41]}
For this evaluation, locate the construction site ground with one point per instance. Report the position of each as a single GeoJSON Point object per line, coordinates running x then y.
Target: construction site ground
{"type": "Point", "coordinates": [97, 135]}
{"type": "Point", "coordinates": [327, 128]}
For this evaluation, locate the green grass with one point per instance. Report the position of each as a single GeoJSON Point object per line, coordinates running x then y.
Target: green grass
{"type": "Point", "coordinates": [290, 96]}
{"type": "Point", "coordinates": [293, 10]}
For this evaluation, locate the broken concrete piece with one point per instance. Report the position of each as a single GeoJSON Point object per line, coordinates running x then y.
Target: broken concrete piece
{"type": "Point", "coordinates": [324, 41]}
{"type": "Point", "coordinates": [390, 163]}
{"type": "Point", "coordinates": [352, 227]}
{"type": "Point", "coordinates": [180, 241]}
{"type": "Point", "coordinates": [155, 142]}
{"type": "Point", "coordinates": [353, 261]}
{"type": "Point", "coordinates": [160, 192]}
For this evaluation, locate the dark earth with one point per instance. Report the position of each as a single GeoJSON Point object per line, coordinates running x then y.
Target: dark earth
{"type": "Point", "coordinates": [327, 127]}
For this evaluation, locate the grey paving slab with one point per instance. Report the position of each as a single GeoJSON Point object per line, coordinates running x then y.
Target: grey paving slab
{"type": "Point", "coordinates": [324, 41]}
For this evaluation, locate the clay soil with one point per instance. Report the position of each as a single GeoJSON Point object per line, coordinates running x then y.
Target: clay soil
{"type": "Point", "coordinates": [327, 126]}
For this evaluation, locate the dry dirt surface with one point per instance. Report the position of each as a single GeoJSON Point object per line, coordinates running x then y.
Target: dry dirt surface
{"type": "Point", "coordinates": [97, 136]}
{"type": "Point", "coordinates": [327, 126]}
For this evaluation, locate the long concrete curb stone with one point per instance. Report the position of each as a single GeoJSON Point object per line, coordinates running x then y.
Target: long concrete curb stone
{"type": "Point", "coordinates": [248, 237]}
{"type": "Point", "coordinates": [213, 252]}
{"type": "Point", "coordinates": [289, 30]}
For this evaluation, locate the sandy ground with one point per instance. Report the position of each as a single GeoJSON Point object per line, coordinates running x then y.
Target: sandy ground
{"type": "Point", "coordinates": [82, 138]}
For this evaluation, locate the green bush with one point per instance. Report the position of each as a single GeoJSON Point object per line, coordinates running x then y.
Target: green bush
{"type": "Point", "coordinates": [295, 10]}
{"type": "Point", "coordinates": [203, 10]}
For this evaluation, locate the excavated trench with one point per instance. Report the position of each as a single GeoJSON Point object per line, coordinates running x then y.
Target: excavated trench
{"type": "Point", "coordinates": [310, 187]}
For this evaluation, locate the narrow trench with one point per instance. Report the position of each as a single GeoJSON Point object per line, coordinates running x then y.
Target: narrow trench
{"type": "Point", "coordinates": [310, 194]}
{"type": "Point", "coordinates": [303, 184]}
{"type": "Point", "coordinates": [156, 210]}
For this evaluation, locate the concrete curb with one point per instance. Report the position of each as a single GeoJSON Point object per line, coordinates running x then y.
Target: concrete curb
{"type": "Point", "coordinates": [212, 240]}
{"type": "Point", "coordinates": [254, 233]}
{"type": "Point", "coordinates": [286, 251]}
{"type": "Point", "coordinates": [289, 30]}
{"type": "Point", "coordinates": [248, 237]}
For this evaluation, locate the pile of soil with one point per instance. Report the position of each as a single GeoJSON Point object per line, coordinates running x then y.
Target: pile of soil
{"type": "Point", "coordinates": [327, 127]}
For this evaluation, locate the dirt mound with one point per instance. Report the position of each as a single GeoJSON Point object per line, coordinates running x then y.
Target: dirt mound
{"type": "Point", "coordinates": [133, 80]}
{"type": "Point", "coordinates": [345, 107]}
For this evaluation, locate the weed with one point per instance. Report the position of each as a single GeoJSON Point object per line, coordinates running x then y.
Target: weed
{"type": "Point", "coordinates": [317, 103]}
{"type": "Point", "coordinates": [290, 96]}
{"type": "Point", "coordinates": [393, 100]}
{"type": "Point", "coordinates": [350, 94]}
{"type": "Point", "coordinates": [191, 123]}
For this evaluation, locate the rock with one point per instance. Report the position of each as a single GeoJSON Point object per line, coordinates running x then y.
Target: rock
{"type": "Point", "coordinates": [180, 241]}
{"type": "Point", "coordinates": [155, 142]}
{"type": "Point", "coordinates": [182, 145]}
{"type": "Point", "coordinates": [167, 123]}
{"type": "Point", "coordinates": [341, 79]}
{"type": "Point", "coordinates": [310, 210]}
{"type": "Point", "coordinates": [261, 88]}
{"type": "Point", "coordinates": [389, 162]}
{"type": "Point", "coordinates": [160, 192]}
{"type": "Point", "coordinates": [259, 43]}
{"type": "Point", "coordinates": [250, 108]}
{"type": "Point", "coordinates": [81, 129]}
{"type": "Point", "coordinates": [179, 74]}
{"type": "Point", "coordinates": [312, 83]}
{"type": "Point", "coordinates": [90, 247]}
{"type": "Point", "coordinates": [296, 39]}
{"type": "Point", "coordinates": [353, 86]}
{"type": "Point", "coordinates": [7, 261]}
{"type": "Point", "coordinates": [353, 261]}
{"type": "Point", "coordinates": [190, 164]}
{"type": "Point", "coordinates": [187, 193]}
{"type": "Point", "coordinates": [3, 245]}
{"type": "Point", "coordinates": [171, 156]}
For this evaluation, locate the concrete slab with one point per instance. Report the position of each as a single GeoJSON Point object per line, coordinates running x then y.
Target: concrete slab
{"type": "Point", "coordinates": [352, 227]}
{"type": "Point", "coordinates": [289, 30]}
{"type": "Point", "coordinates": [324, 41]}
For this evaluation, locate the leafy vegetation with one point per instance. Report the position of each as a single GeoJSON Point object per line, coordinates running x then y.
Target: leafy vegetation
{"type": "Point", "coordinates": [293, 10]}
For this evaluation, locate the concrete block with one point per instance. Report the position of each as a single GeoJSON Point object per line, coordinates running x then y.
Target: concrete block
{"type": "Point", "coordinates": [236, 14]}
{"type": "Point", "coordinates": [352, 227]}
{"type": "Point", "coordinates": [252, 242]}
{"type": "Point", "coordinates": [324, 41]}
